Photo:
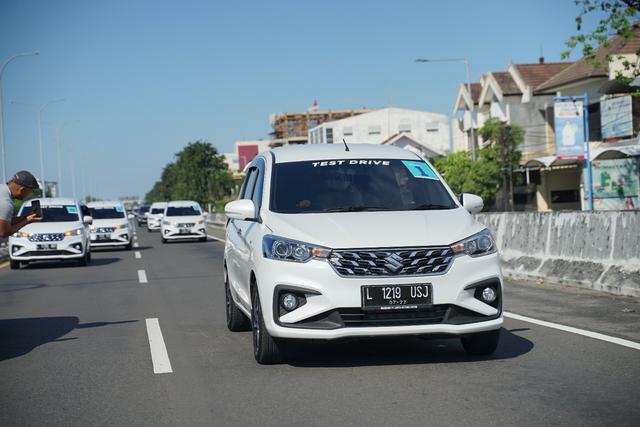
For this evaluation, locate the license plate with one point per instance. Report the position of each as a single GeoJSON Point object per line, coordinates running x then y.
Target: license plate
{"type": "Point", "coordinates": [103, 236]}
{"type": "Point", "coordinates": [47, 246]}
{"type": "Point", "coordinates": [396, 297]}
{"type": "Point", "coordinates": [185, 231]}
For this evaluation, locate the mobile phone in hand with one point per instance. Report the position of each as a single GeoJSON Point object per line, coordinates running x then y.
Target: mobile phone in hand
{"type": "Point", "coordinates": [36, 208]}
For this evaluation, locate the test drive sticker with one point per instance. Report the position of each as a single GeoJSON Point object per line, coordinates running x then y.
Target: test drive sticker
{"type": "Point", "coordinates": [71, 209]}
{"type": "Point", "coordinates": [419, 169]}
{"type": "Point", "coordinates": [350, 162]}
{"type": "Point", "coordinates": [119, 209]}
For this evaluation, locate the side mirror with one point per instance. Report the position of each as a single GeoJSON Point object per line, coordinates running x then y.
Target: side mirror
{"type": "Point", "coordinates": [241, 209]}
{"type": "Point", "coordinates": [146, 214]}
{"type": "Point", "coordinates": [130, 216]}
{"type": "Point", "coordinates": [87, 220]}
{"type": "Point", "coordinates": [471, 202]}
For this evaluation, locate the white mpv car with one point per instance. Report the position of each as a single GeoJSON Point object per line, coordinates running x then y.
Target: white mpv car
{"type": "Point", "coordinates": [111, 225]}
{"type": "Point", "coordinates": [155, 214]}
{"type": "Point", "coordinates": [183, 220]}
{"type": "Point", "coordinates": [325, 243]}
{"type": "Point", "coordinates": [63, 234]}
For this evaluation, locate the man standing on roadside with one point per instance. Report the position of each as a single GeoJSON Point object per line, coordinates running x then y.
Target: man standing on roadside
{"type": "Point", "coordinates": [20, 186]}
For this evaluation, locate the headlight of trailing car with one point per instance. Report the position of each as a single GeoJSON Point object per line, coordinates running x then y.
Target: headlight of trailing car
{"type": "Point", "coordinates": [477, 245]}
{"type": "Point", "coordinates": [198, 221]}
{"type": "Point", "coordinates": [282, 249]}
{"type": "Point", "coordinates": [167, 222]}
{"type": "Point", "coordinates": [76, 232]}
{"type": "Point", "coordinates": [20, 234]}
{"type": "Point", "coordinates": [122, 226]}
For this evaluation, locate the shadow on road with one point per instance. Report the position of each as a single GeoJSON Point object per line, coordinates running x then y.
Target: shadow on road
{"type": "Point", "coordinates": [399, 351]}
{"type": "Point", "coordinates": [19, 336]}
{"type": "Point", "coordinates": [63, 264]}
{"type": "Point", "coordinates": [120, 250]}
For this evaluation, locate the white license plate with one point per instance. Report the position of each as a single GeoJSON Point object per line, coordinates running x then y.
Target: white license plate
{"type": "Point", "coordinates": [47, 246]}
{"type": "Point", "coordinates": [185, 231]}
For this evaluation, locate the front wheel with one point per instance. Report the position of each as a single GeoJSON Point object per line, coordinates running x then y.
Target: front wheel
{"type": "Point", "coordinates": [15, 265]}
{"type": "Point", "coordinates": [481, 344]}
{"type": "Point", "coordinates": [85, 260]}
{"type": "Point", "coordinates": [203, 239]}
{"type": "Point", "coordinates": [266, 349]}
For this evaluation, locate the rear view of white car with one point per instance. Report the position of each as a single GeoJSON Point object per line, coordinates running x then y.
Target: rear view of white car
{"type": "Point", "coordinates": [111, 225]}
{"type": "Point", "coordinates": [183, 220]}
{"type": "Point", "coordinates": [154, 216]}
{"type": "Point", "coordinates": [63, 234]}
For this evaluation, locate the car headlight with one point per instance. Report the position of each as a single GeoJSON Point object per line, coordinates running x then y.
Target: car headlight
{"type": "Point", "coordinates": [198, 221]}
{"type": "Point", "coordinates": [122, 226]}
{"type": "Point", "coordinates": [282, 249]}
{"type": "Point", "coordinates": [76, 232]}
{"type": "Point", "coordinates": [20, 234]}
{"type": "Point", "coordinates": [477, 245]}
{"type": "Point", "coordinates": [167, 222]}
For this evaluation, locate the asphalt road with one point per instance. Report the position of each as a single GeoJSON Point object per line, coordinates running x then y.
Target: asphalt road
{"type": "Point", "coordinates": [74, 350]}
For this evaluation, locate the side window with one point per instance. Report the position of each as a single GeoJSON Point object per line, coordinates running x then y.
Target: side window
{"type": "Point", "coordinates": [249, 183]}
{"type": "Point", "coordinates": [257, 192]}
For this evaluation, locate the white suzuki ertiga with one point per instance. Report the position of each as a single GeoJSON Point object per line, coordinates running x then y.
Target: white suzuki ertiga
{"type": "Point", "coordinates": [325, 243]}
{"type": "Point", "coordinates": [183, 220]}
{"type": "Point", "coordinates": [111, 225]}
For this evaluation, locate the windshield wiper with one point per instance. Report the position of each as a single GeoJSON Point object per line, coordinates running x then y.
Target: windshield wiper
{"type": "Point", "coordinates": [429, 206]}
{"type": "Point", "coordinates": [356, 209]}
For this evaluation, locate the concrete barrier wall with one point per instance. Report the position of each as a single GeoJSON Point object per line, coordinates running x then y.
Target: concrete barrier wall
{"type": "Point", "coordinates": [599, 250]}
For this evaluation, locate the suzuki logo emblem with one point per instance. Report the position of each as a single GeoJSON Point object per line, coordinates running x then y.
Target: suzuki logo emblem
{"type": "Point", "coordinates": [393, 262]}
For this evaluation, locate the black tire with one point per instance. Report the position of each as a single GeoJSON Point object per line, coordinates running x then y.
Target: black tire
{"type": "Point", "coordinates": [266, 349]}
{"type": "Point", "coordinates": [128, 247]}
{"type": "Point", "coordinates": [236, 320]}
{"type": "Point", "coordinates": [203, 239]}
{"type": "Point", "coordinates": [163, 240]}
{"type": "Point", "coordinates": [14, 265]}
{"type": "Point", "coordinates": [481, 344]}
{"type": "Point", "coordinates": [85, 260]}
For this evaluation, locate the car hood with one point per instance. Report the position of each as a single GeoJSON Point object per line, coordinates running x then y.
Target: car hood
{"type": "Point", "coordinates": [343, 230]}
{"type": "Point", "coordinates": [51, 227]}
{"type": "Point", "coordinates": [109, 222]}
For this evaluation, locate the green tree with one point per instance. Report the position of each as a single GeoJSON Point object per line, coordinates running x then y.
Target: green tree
{"type": "Point", "coordinates": [619, 18]}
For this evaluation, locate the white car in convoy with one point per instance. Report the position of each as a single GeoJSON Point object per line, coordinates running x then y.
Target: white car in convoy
{"type": "Point", "coordinates": [63, 234]}
{"type": "Point", "coordinates": [183, 220]}
{"type": "Point", "coordinates": [327, 243]}
{"type": "Point", "coordinates": [155, 214]}
{"type": "Point", "coordinates": [111, 225]}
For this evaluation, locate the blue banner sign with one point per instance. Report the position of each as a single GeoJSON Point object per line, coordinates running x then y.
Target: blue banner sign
{"type": "Point", "coordinates": [569, 129]}
{"type": "Point", "coordinates": [616, 117]}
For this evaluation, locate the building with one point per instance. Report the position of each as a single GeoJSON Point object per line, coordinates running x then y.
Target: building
{"type": "Point", "coordinates": [293, 128]}
{"type": "Point", "coordinates": [232, 161]}
{"type": "Point", "coordinates": [246, 151]}
{"type": "Point", "coordinates": [424, 131]}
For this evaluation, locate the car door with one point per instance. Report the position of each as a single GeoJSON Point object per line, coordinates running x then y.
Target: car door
{"type": "Point", "coordinates": [236, 244]}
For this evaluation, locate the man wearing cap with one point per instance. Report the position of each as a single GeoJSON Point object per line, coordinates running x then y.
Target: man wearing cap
{"type": "Point", "coordinates": [20, 186]}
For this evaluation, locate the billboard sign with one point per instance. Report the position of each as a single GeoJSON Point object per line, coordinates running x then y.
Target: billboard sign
{"type": "Point", "coordinates": [617, 117]}
{"type": "Point", "coordinates": [569, 128]}
{"type": "Point", "coordinates": [616, 184]}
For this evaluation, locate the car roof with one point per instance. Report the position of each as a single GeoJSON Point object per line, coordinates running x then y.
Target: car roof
{"type": "Point", "coordinates": [175, 203]}
{"type": "Point", "coordinates": [306, 152]}
{"type": "Point", "coordinates": [104, 204]}
{"type": "Point", "coordinates": [158, 204]}
{"type": "Point", "coordinates": [49, 201]}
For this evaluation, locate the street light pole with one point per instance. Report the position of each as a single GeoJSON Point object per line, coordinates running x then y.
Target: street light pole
{"type": "Point", "coordinates": [2, 150]}
{"type": "Point", "coordinates": [59, 133]}
{"type": "Point", "coordinates": [466, 63]}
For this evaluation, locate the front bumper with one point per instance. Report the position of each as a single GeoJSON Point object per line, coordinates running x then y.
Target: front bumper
{"type": "Point", "coordinates": [71, 247]}
{"type": "Point", "coordinates": [171, 232]}
{"type": "Point", "coordinates": [333, 303]}
{"type": "Point", "coordinates": [114, 239]}
{"type": "Point", "coordinates": [154, 224]}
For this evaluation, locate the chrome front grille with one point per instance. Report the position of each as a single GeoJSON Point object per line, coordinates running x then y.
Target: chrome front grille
{"type": "Point", "coordinates": [105, 229]}
{"type": "Point", "coordinates": [392, 262]}
{"type": "Point", "coordinates": [46, 237]}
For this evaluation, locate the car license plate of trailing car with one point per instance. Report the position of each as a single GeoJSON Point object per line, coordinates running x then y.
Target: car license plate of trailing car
{"type": "Point", "coordinates": [185, 231]}
{"type": "Point", "coordinates": [396, 297]}
{"type": "Point", "coordinates": [103, 237]}
{"type": "Point", "coordinates": [47, 246]}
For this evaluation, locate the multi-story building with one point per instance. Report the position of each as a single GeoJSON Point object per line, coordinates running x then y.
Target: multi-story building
{"type": "Point", "coordinates": [246, 151]}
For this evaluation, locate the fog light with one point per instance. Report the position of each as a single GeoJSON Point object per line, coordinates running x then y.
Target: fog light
{"type": "Point", "coordinates": [125, 237]}
{"type": "Point", "coordinates": [15, 249]}
{"type": "Point", "coordinates": [289, 302]}
{"type": "Point", "coordinates": [489, 295]}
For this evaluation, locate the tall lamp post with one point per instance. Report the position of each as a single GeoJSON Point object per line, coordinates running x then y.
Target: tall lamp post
{"type": "Point", "coordinates": [59, 133]}
{"type": "Point", "coordinates": [40, 110]}
{"type": "Point", "coordinates": [2, 67]}
{"type": "Point", "coordinates": [466, 63]}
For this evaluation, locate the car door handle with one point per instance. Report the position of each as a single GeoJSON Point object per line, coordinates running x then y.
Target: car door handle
{"type": "Point", "coordinates": [239, 231]}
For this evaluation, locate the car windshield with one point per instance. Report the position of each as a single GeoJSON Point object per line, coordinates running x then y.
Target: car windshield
{"type": "Point", "coordinates": [143, 210]}
{"type": "Point", "coordinates": [182, 211]}
{"type": "Point", "coordinates": [357, 185]}
{"type": "Point", "coordinates": [111, 212]}
{"type": "Point", "coordinates": [56, 213]}
{"type": "Point", "coordinates": [156, 211]}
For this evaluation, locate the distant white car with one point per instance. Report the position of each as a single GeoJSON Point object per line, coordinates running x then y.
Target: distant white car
{"type": "Point", "coordinates": [183, 220]}
{"type": "Point", "coordinates": [111, 225]}
{"type": "Point", "coordinates": [155, 214]}
{"type": "Point", "coordinates": [63, 234]}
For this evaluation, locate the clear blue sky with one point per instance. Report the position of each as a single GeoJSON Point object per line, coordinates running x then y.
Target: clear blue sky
{"type": "Point", "coordinates": [143, 78]}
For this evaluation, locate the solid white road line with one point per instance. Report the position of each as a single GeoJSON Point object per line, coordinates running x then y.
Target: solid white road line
{"type": "Point", "coordinates": [142, 276]}
{"type": "Point", "coordinates": [138, 254]}
{"type": "Point", "coordinates": [595, 335]}
{"type": "Point", "coordinates": [159, 355]}
{"type": "Point", "coordinates": [135, 244]}
{"type": "Point", "coordinates": [215, 238]}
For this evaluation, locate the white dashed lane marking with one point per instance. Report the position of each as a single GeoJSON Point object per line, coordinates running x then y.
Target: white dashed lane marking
{"type": "Point", "coordinates": [159, 355]}
{"type": "Point", "coordinates": [137, 254]}
{"type": "Point", "coordinates": [135, 244]}
{"type": "Point", "coordinates": [142, 276]}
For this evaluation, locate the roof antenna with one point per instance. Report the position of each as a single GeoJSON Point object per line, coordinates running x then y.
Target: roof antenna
{"type": "Point", "coordinates": [346, 147]}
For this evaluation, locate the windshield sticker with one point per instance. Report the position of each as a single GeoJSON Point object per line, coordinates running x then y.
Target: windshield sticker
{"type": "Point", "coordinates": [350, 162]}
{"type": "Point", "coordinates": [419, 169]}
{"type": "Point", "coordinates": [119, 209]}
{"type": "Point", "coordinates": [71, 209]}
